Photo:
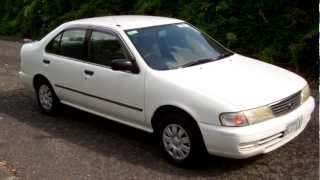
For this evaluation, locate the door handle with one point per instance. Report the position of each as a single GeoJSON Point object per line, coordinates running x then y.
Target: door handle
{"type": "Point", "coordinates": [46, 61]}
{"type": "Point", "coordinates": [88, 72]}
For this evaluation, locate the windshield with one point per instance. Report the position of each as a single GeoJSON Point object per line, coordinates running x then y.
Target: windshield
{"type": "Point", "coordinates": [175, 46]}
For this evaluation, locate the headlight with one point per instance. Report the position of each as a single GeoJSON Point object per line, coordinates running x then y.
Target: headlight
{"type": "Point", "coordinates": [259, 114]}
{"type": "Point", "coordinates": [247, 117]}
{"type": "Point", "coordinates": [305, 93]}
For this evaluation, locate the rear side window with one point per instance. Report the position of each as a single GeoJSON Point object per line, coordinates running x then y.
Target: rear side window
{"type": "Point", "coordinates": [73, 44]}
{"type": "Point", "coordinates": [105, 47]}
{"type": "Point", "coordinates": [53, 46]}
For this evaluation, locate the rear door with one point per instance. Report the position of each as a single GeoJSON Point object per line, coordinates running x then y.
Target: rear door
{"type": "Point", "coordinates": [64, 57]}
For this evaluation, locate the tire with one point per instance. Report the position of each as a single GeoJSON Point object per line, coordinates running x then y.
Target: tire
{"type": "Point", "coordinates": [185, 146]}
{"type": "Point", "coordinates": [47, 98]}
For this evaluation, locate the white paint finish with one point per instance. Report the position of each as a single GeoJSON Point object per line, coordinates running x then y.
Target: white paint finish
{"type": "Point", "coordinates": [125, 22]}
{"type": "Point", "coordinates": [68, 73]}
{"type": "Point", "coordinates": [243, 82]}
{"type": "Point", "coordinates": [123, 87]}
{"type": "Point", "coordinates": [204, 91]}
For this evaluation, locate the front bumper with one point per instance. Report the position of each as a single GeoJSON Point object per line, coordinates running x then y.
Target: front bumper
{"type": "Point", "coordinates": [266, 136]}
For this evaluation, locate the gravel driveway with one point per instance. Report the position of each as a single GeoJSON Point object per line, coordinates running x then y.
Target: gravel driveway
{"type": "Point", "coordinates": [76, 145]}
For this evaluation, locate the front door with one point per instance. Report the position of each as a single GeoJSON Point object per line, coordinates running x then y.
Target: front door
{"type": "Point", "coordinates": [117, 94]}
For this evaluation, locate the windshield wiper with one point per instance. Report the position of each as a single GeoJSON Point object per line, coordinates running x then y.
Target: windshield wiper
{"type": "Point", "coordinates": [206, 60]}
{"type": "Point", "coordinates": [226, 54]}
{"type": "Point", "coordinates": [200, 61]}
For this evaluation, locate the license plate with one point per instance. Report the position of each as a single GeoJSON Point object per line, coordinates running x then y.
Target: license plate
{"type": "Point", "coordinates": [293, 126]}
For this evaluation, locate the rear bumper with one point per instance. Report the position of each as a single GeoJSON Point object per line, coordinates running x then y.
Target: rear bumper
{"type": "Point", "coordinates": [26, 80]}
{"type": "Point", "coordinates": [260, 138]}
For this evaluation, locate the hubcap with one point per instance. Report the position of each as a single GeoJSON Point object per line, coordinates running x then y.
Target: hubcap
{"type": "Point", "coordinates": [45, 97]}
{"type": "Point", "coordinates": [176, 141]}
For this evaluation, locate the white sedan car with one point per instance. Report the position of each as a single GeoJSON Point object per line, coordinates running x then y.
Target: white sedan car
{"type": "Point", "coordinates": [163, 75]}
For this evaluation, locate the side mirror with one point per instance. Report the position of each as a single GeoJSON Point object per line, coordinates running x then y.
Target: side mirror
{"type": "Point", "coordinates": [124, 65]}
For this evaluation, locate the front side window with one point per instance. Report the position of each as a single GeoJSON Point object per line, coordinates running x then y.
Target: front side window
{"type": "Point", "coordinates": [175, 45]}
{"type": "Point", "coordinates": [104, 47]}
{"type": "Point", "coordinates": [73, 44]}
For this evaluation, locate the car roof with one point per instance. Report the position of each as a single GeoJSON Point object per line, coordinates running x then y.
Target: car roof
{"type": "Point", "coordinates": [126, 22]}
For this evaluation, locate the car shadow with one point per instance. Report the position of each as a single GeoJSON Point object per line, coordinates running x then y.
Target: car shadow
{"type": "Point", "coordinates": [107, 138]}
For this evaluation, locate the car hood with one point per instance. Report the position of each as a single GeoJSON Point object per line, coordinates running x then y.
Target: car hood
{"type": "Point", "coordinates": [239, 81]}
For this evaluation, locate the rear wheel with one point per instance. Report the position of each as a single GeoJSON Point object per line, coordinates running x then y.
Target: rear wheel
{"type": "Point", "coordinates": [46, 97]}
{"type": "Point", "coordinates": [181, 140]}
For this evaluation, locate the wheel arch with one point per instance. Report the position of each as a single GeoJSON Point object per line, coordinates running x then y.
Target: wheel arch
{"type": "Point", "coordinates": [156, 122]}
{"type": "Point", "coordinates": [164, 109]}
{"type": "Point", "coordinates": [38, 78]}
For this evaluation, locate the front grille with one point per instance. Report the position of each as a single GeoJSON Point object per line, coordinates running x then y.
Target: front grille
{"type": "Point", "coordinates": [286, 105]}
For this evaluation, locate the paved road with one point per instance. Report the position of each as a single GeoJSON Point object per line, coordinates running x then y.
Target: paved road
{"type": "Point", "coordinates": [76, 145]}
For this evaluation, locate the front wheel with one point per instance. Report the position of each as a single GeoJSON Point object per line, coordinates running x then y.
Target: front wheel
{"type": "Point", "coordinates": [176, 142]}
{"type": "Point", "coordinates": [181, 140]}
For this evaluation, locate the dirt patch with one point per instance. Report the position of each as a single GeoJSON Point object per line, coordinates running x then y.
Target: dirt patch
{"type": "Point", "coordinates": [11, 38]}
{"type": "Point", "coordinates": [7, 172]}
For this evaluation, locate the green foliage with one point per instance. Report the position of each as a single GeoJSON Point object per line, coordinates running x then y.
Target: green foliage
{"type": "Point", "coordinates": [276, 31]}
{"type": "Point", "coordinates": [267, 54]}
{"type": "Point", "coordinates": [232, 38]}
